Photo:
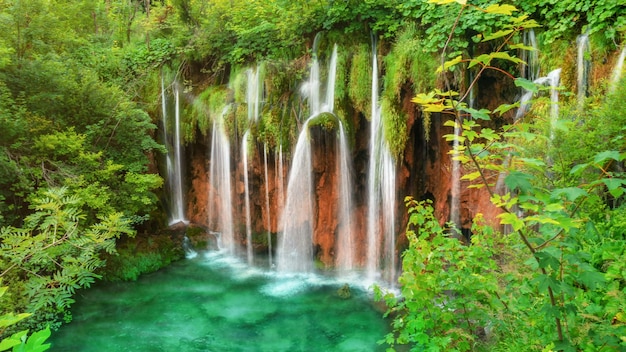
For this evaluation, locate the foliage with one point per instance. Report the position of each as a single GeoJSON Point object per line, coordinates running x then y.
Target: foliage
{"type": "Point", "coordinates": [572, 17]}
{"type": "Point", "coordinates": [54, 254]}
{"type": "Point", "coordinates": [449, 289]}
{"type": "Point", "coordinates": [566, 295]}
{"type": "Point", "coordinates": [19, 341]}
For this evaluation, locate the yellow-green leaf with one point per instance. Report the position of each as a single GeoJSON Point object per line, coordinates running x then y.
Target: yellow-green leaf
{"type": "Point", "coordinates": [471, 176]}
{"type": "Point", "coordinates": [506, 56]}
{"type": "Point", "coordinates": [501, 9]}
{"type": "Point", "coordinates": [496, 35]}
{"type": "Point", "coordinates": [450, 63]}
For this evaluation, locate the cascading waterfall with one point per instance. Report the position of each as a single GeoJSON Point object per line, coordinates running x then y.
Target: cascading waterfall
{"type": "Point", "coordinates": [380, 189]}
{"type": "Point", "coordinates": [244, 158]}
{"type": "Point", "coordinates": [295, 251]}
{"type": "Point", "coordinates": [174, 183]}
{"type": "Point", "coordinates": [253, 99]}
{"type": "Point", "coordinates": [530, 57]}
{"type": "Point", "coordinates": [220, 192]}
{"type": "Point", "coordinates": [267, 205]}
{"type": "Point", "coordinates": [582, 67]}
{"type": "Point", "coordinates": [617, 71]}
{"type": "Point", "coordinates": [345, 232]}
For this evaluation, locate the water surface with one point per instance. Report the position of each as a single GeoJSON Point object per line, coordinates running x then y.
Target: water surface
{"type": "Point", "coordinates": [214, 303]}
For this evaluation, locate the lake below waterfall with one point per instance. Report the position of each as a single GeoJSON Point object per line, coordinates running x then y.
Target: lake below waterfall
{"type": "Point", "coordinates": [215, 303]}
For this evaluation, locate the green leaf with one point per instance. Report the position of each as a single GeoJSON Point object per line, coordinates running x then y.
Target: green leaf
{"type": "Point", "coordinates": [506, 56]}
{"type": "Point", "coordinates": [591, 278]}
{"type": "Point", "coordinates": [511, 219]}
{"type": "Point", "coordinates": [12, 340]}
{"type": "Point", "coordinates": [614, 186]}
{"type": "Point", "coordinates": [450, 63]}
{"type": "Point", "coordinates": [570, 193]}
{"type": "Point", "coordinates": [606, 155]}
{"type": "Point", "coordinates": [485, 59]}
{"type": "Point", "coordinates": [482, 114]}
{"type": "Point", "coordinates": [526, 84]}
{"type": "Point", "coordinates": [522, 46]}
{"type": "Point", "coordinates": [496, 35]}
{"type": "Point", "coordinates": [501, 9]}
{"type": "Point", "coordinates": [505, 107]}
{"type": "Point", "coordinates": [578, 169]}
{"type": "Point", "coordinates": [518, 180]}
{"type": "Point", "coordinates": [546, 260]}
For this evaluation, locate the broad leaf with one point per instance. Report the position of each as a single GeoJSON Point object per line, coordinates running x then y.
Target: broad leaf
{"type": "Point", "coordinates": [501, 9]}
{"type": "Point", "coordinates": [606, 155]}
{"type": "Point", "coordinates": [511, 219]}
{"type": "Point", "coordinates": [505, 107]}
{"type": "Point", "coordinates": [518, 180]}
{"type": "Point", "coordinates": [482, 114]}
{"type": "Point", "coordinates": [496, 35]}
{"type": "Point", "coordinates": [570, 193]}
{"type": "Point", "coordinates": [506, 56]}
{"type": "Point", "coordinates": [526, 84]}
{"type": "Point", "coordinates": [450, 63]}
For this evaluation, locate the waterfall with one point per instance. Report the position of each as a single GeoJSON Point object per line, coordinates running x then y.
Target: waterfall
{"type": "Point", "coordinates": [220, 191]}
{"type": "Point", "coordinates": [244, 158]}
{"type": "Point", "coordinates": [617, 71]}
{"type": "Point", "coordinates": [295, 251]}
{"type": "Point", "coordinates": [380, 189]}
{"type": "Point", "coordinates": [345, 233]}
{"type": "Point", "coordinates": [553, 79]}
{"type": "Point", "coordinates": [267, 206]}
{"type": "Point", "coordinates": [582, 67]}
{"type": "Point", "coordinates": [530, 57]}
{"type": "Point", "coordinates": [174, 166]}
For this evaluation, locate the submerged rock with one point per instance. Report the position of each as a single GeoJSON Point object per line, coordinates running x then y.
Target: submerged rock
{"type": "Point", "coordinates": [344, 292]}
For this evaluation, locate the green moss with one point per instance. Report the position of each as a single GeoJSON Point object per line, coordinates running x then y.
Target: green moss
{"type": "Point", "coordinates": [325, 120]}
{"type": "Point", "coordinates": [395, 127]}
{"type": "Point", "coordinates": [360, 81]}
{"type": "Point", "coordinates": [141, 255]}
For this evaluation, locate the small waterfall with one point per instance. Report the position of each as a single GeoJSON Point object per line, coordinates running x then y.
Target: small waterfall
{"type": "Point", "coordinates": [531, 57]}
{"type": "Point", "coordinates": [553, 79]}
{"type": "Point", "coordinates": [295, 251]}
{"type": "Point", "coordinates": [253, 93]}
{"type": "Point", "coordinates": [244, 158]}
{"type": "Point", "coordinates": [617, 71]}
{"type": "Point", "coordinates": [582, 66]}
{"type": "Point", "coordinates": [267, 206]}
{"type": "Point", "coordinates": [220, 192]}
{"type": "Point", "coordinates": [173, 182]}
{"type": "Point", "coordinates": [380, 193]}
{"type": "Point", "coordinates": [345, 233]}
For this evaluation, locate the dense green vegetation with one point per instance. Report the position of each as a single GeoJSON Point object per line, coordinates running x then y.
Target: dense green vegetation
{"type": "Point", "coordinates": [79, 100]}
{"type": "Point", "coordinates": [555, 282]}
